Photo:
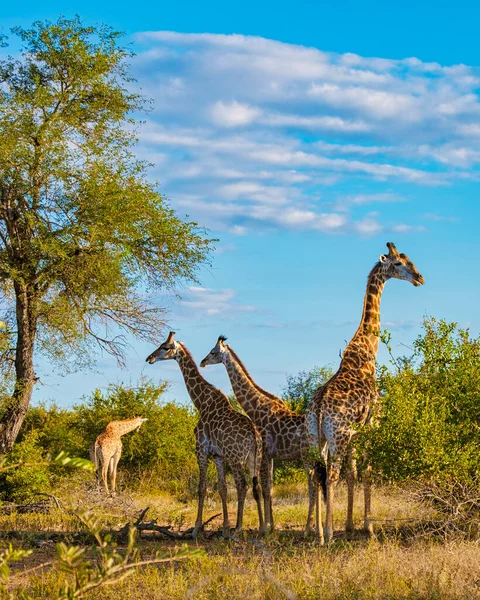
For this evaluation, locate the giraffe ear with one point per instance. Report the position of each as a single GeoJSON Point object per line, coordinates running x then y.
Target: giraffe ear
{"type": "Point", "coordinates": [383, 258]}
{"type": "Point", "coordinates": [170, 337]}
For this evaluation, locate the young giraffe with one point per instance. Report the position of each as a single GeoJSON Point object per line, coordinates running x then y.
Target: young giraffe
{"type": "Point", "coordinates": [223, 434]}
{"type": "Point", "coordinates": [280, 427]}
{"type": "Point", "coordinates": [347, 399]}
{"type": "Point", "coordinates": [106, 450]}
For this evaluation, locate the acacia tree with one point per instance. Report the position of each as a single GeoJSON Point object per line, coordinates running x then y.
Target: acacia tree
{"type": "Point", "coordinates": [85, 238]}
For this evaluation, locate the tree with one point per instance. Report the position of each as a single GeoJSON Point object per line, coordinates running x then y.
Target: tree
{"type": "Point", "coordinates": [85, 238]}
{"type": "Point", "coordinates": [301, 387]}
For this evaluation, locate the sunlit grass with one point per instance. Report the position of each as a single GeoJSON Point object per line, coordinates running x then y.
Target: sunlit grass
{"type": "Point", "coordinates": [282, 566]}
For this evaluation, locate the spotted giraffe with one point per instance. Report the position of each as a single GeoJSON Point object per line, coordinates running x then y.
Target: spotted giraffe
{"type": "Point", "coordinates": [222, 434]}
{"type": "Point", "coordinates": [281, 428]}
{"type": "Point", "coordinates": [105, 452]}
{"type": "Point", "coordinates": [347, 399]}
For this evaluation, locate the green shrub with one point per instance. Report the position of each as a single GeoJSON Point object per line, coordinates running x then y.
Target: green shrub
{"type": "Point", "coordinates": [160, 455]}
{"type": "Point", "coordinates": [56, 429]}
{"type": "Point", "coordinates": [429, 414]}
{"type": "Point", "coordinates": [23, 483]}
{"type": "Point", "coordinates": [301, 387]}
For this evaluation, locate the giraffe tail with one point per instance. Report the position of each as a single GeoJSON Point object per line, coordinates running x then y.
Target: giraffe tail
{"type": "Point", "coordinates": [257, 494]}
{"type": "Point", "coordinates": [321, 474]}
{"type": "Point", "coordinates": [93, 454]}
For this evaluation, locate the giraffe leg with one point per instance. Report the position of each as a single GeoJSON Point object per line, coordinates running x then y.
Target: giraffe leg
{"type": "Point", "coordinates": [113, 470]}
{"type": "Point", "coordinates": [367, 490]}
{"type": "Point", "coordinates": [104, 472]}
{"type": "Point", "coordinates": [266, 469]}
{"type": "Point", "coordinates": [333, 475]}
{"type": "Point", "coordinates": [314, 502]}
{"type": "Point", "coordinates": [222, 490]}
{"type": "Point", "coordinates": [351, 477]}
{"type": "Point", "coordinates": [238, 473]}
{"type": "Point", "coordinates": [202, 460]}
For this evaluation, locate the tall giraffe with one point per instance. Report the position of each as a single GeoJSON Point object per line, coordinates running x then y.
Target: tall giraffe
{"type": "Point", "coordinates": [223, 434]}
{"type": "Point", "coordinates": [347, 399]}
{"type": "Point", "coordinates": [106, 450]}
{"type": "Point", "coordinates": [281, 428]}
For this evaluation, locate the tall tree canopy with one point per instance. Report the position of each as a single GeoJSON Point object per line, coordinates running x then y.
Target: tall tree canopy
{"type": "Point", "coordinates": [85, 238]}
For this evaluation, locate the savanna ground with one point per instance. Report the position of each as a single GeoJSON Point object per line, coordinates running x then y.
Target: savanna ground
{"type": "Point", "coordinates": [406, 559]}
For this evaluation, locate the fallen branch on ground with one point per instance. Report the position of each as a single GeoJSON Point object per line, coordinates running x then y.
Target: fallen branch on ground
{"type": "Point", "coordinates": [166, 530]}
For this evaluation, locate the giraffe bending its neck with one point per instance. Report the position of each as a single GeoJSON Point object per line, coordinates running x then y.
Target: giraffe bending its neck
{"type": "Point", "coordinates": [222, 434]}
{"type": "Point", "coordinates": [346, 400]}
{"type": "Point", "coordinates": [281, 428]}
{"type": "Point", "coordinates": [105, 452]}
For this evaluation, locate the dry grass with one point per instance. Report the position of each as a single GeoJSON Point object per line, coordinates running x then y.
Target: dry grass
{"type": "Point", "coordinates": [402, 565]}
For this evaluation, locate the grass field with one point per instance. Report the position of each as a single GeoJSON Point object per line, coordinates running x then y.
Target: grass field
{"type": "Point", "coordinates": [405, 560]}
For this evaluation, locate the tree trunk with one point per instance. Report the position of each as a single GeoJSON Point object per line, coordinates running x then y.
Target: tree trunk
{"type": "Point", "coordinates": [17, 408]}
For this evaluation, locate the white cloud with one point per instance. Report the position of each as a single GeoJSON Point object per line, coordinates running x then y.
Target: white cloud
{"type": "Point", "coordinates": [233, 114]}
{"type": "Point", "coordinates": [347, 202]}
{"type": "Point", "coordinates": [250, 133]}
{"type": "Point", "coordinates": [403, 228]}
{"type": "Point", "coordinates": [210, 302]}
{"type": "Point", "coordinates": [313, 123]}
{"type": "Point", "coordinates": [377, 104]}
{"type": "Point", "coordinates": [368, 226]}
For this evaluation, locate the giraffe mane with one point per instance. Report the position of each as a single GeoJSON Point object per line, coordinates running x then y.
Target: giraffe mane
{"type": "Point", "coordinates": [373, 270]}
{"type": "Point", "coordinates": [250, 378]}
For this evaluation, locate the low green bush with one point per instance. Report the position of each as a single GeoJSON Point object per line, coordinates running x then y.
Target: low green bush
{"type": "Point", "coordinates": [160, 455]}
{"type": "Point", "coordinates": [24, 483]}
{"type": "Point", "coordinates": [427, 422]}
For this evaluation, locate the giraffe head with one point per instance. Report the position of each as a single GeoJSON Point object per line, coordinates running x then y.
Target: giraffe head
{"type": "Point", "coordinates": [169, 350]}
{"type": "Point", "coordinates": [216, 354]}
{"type": "Point", "coordinates": [399, 266]}
{"type": "Point", "coordinates": [136, 422]}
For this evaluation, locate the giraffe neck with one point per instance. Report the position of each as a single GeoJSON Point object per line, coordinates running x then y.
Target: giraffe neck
{"type": "Point", "coordinates": [119, 428]}
{"type": "Point", "coordinates": [195, 383]}
{"type": "Point", "coordinates": [368, 332]}
{"type": "Point", "coordinates": [243, 386]}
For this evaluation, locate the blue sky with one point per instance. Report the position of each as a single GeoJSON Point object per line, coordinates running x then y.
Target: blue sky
{"type": "Point", "coordinates": [304, 136]}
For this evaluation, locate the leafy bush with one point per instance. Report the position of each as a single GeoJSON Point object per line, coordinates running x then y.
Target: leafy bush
{"type": "Point", "coordinates": [23, 483]}
{"type": "Point", "coordinates": [301, 387]}
{"type": "Point", "coordinates": [429, 415]}
{"type": "Point", "coordinates": [161, 454]}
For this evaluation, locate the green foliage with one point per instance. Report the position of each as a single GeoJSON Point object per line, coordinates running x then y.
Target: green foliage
{"type": "Point", "coordinates": [23, 483]}
{"type": "Point", "coordinates": [56, 429]}
{"type": "Point", "coordinates": [428, 418]}
{"type": "Point", "coordinates": [160, 454]}
{"type": "Point", "coordinates": [92, 227]}
{"type": "Point", "coordinates": [110, 566]}
{"type": "Point", "coordinates": [86, 240]}
{"type": "Point", "coordinates": [107, 565]}
{"type": "Point", "coordinates": [301, 387]}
